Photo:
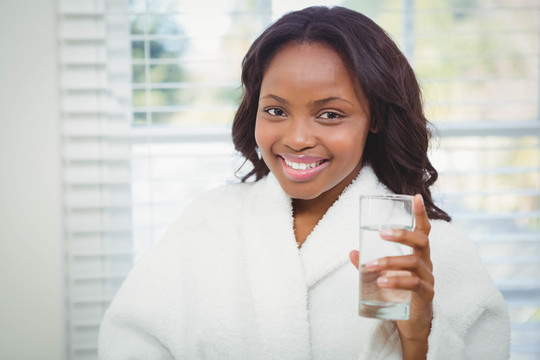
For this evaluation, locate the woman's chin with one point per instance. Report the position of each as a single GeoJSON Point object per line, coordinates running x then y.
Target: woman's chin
{"type": "Point", "coordinates": [301, 194]}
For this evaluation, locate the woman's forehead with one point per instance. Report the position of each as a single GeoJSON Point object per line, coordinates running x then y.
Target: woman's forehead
{"type": "Point", "coordinates": [309, 67]}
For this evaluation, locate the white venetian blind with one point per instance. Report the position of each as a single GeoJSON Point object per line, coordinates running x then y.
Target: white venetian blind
{"type": "Point", "coordinates": [149, 89]}
{"type": "Point", "coordinates": [95, 93]}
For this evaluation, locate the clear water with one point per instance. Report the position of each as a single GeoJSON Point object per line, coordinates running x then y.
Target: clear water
{"type": "Point", "coordinates": [382, 303]}
{"type": "Point", "coordinates": [385, 310]}
{"type": "Point", "coordinates": [386, 227]}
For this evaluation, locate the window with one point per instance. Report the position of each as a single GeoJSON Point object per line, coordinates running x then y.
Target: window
{"type": "Point", "coordinates": [149, 89]}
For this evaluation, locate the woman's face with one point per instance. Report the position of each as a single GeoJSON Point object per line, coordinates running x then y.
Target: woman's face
{"type": "Point", "coordinates": [312, 121]}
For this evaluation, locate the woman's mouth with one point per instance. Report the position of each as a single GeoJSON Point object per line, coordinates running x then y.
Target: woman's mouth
{"type": "Point", "coordinates": [301, 167]}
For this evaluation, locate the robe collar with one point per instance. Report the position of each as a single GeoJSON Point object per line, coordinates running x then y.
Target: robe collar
{"type": "Point", "coordinates": [337, 233]}
{"type": "Point", "coordinates": [280, 273]}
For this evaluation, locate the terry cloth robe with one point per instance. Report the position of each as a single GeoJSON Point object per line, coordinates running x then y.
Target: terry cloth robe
{"type": "Point", "coordinates": [229, 282]}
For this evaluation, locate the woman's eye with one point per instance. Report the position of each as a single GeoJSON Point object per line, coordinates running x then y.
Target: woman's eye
{"type": "Point", "coordinates": [275, 112]}
{"type": "Point", "coordinates": [330, 115]}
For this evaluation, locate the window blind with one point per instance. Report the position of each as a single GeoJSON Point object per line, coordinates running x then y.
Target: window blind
{"type": "Point", "coordinates": [149, 89]}
{"type": "Point", "coordinates": [146, 115]}
{"type": "Point", "coordinates": [96, 168]}
{"type": "Point", "coordinates": [478, 63]}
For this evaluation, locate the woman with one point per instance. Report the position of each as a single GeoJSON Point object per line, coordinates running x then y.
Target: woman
{"type": "Point", "coordinates": [331, 110]}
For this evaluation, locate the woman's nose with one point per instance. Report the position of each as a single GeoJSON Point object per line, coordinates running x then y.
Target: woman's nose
{"type": "Point", "coordinates": [299, 134]}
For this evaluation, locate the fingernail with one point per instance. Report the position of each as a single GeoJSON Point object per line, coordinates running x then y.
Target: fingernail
{"type": "Point", "coordinates": [387, 233]}
{"type": "Point", "coordinates": [372, 264]}
{"type": "Point", "coordinates": [382, 281]}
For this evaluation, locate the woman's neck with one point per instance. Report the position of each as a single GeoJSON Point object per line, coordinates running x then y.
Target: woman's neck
{"type": "Point", "coordinates": [304, 223]}
{"type": "Point", "coordinates": [308, 212]}
{"type": "Point", "coordinates": [307, 215]}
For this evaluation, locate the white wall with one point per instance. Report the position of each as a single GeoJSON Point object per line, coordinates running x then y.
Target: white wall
{"type": "Point", "coordinates": [31, 259]}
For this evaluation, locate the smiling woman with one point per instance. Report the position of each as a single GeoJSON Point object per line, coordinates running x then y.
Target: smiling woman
{"type": "Point", "coordinates": [312, 135]}
{"type": "Point", "coordinates": [261, 270]}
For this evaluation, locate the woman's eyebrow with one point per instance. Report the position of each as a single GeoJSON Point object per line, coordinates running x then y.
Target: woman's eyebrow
{"type": "Point", "coordinates": [311, 104]}
{"type": "Point", "coordinates": [328, 99]}
{"type": "Point", "coordinates": [277, 98]}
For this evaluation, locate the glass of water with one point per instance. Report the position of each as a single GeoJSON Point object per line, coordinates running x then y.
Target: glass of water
{"type": "Point", "coordinates": [383, 212]}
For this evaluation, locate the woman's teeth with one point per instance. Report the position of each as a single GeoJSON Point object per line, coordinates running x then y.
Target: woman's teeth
{"type": "Point", "coordinates": [302, 166]}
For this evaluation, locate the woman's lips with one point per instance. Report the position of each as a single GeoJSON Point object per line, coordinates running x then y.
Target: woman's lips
{"type": "Point", "coordinates": [301, 167]}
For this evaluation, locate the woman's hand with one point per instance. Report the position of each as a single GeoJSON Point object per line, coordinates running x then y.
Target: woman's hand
{"type": "Point", "coordinates": [415, 331]}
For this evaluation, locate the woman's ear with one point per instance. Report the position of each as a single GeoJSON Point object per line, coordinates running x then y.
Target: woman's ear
{"type": "Point", "coordinates": [373, 128]}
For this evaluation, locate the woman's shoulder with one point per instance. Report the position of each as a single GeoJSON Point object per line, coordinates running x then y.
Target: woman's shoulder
{"type": "Point", "coordinates": [217, 205]}
{"type": "Point", "coordinates": [448, 240]}
{"type": "Point", "coordinates": [220, 197]}
{"type": "Point", "coordinates": [201, 228]}
{"type": "Point", "coordinates": [219, 209]}
{"type": "Point", "coordinates": [442, 230]}
{"type": "Point", "coordinates": [456, 260]}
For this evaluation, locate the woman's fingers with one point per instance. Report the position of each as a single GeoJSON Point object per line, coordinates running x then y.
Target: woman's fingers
{"type": "Point", "coordinates": [417, 278]}
{"type": "Point", "coordinates": [413, 283]}
{"type": "Point", "coordinates": [354, 257]}
{"type": "Point", "coordinates": [420, 215]}
{"type": "Point", "coordinates": [409, 263]}
{"type": "Point", "coordinates": [417, 240]}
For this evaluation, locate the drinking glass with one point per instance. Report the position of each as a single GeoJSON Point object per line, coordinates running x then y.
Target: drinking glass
{"type": "Point", "coordinates": [381, 212]}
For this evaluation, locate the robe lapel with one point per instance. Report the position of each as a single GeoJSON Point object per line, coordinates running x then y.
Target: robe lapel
{"type": "Point", "coordinates": [327, 249]}
{"type": "Point", "coordinates": [337, 233]}
{"type": "Point", "coordinates": [275, 271]}
{"type": "Point", "coordinates": [281, 275]}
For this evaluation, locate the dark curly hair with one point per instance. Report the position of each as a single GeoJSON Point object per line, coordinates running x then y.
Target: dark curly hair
{"type": "Point", "coordinates": [397, 151]}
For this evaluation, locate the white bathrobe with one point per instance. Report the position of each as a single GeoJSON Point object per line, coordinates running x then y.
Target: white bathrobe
{"type": "Point", "coordinates": [229, 282]}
